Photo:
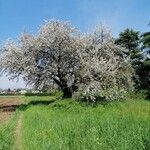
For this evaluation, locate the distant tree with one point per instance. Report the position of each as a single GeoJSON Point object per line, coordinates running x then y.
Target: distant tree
{"type": "Point", "coordinates": [146, 42]}
{"type": "Point", "coordinates": [18, 90]}
{"type": "Point", "coordinates": [144, 70]}
{"type": "Point", "coordinates": [144, 74]}
{"type": "Point", "coordinates": [8, 90]}
{"type": "Point", "coordinates": [78, 64]}
{"type": "Point", "coordinates": [130, 40]}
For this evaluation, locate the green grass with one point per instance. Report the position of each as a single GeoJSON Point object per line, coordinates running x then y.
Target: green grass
{"type": "Point", "coordinates": [7, 130]}
{"type": "Point", "coordinates": [53, 124]}
{"type": "Point", "coordinates": [68, 125]}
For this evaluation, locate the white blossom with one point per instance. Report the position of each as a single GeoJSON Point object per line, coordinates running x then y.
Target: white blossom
{"type": "Point", "coordinates": [59, 54]}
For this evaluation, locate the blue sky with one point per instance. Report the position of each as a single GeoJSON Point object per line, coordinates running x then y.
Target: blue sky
{"type": "Point", "coordinates": [17, 16]}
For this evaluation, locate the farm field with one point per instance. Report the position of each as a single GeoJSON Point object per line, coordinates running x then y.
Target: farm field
{"type": "Point", "coordinates": [49, 123]}
{"type": "Point", "coordinates": [8, 105]}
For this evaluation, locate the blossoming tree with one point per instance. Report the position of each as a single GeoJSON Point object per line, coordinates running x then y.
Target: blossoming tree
{"type": "Point", "coordinates": [85, 65]}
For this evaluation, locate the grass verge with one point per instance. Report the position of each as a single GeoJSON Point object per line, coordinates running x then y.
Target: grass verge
{"type": "Point", "coordinates": [7, 130]}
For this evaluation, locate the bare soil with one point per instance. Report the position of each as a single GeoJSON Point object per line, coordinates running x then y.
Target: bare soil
{"type": "Point", "coordinates": [8, 106]}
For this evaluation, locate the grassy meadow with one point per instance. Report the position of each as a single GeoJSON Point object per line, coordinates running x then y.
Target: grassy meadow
{"type": "Point", "coordinates": [52, 124]}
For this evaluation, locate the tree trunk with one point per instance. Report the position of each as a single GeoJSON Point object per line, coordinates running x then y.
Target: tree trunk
{"type": "Point", "coordinates": [67, 92]}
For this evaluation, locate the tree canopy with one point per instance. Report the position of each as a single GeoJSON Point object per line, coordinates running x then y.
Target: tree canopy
{"type": "Point", "coordinates": [130, 40]}
{"type": "Point", "coordinates": [79, 64]}
{"type": "Point", "coordinates": [146, 42]}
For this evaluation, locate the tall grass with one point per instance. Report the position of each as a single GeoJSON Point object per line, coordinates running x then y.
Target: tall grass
{"type": "Point", "coordinates": [66, 124]}
{"type": "Point", "coordinates": [7, 130]}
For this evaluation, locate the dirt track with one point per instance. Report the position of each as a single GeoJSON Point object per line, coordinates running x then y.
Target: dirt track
{"type": "Point", "coordinates": [8, 106]}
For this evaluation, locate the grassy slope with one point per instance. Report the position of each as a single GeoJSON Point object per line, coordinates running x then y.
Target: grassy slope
{"type": "Point", "coordinates": [68, 125]}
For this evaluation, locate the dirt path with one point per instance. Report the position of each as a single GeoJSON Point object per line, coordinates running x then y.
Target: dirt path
{"type": "Point", "coordinates": [8, 106]}
{"type": "Point", "coordinates": [18, 134]}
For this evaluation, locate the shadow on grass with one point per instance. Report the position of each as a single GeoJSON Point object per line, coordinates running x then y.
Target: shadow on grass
{"type": "Point", "coordinates": [148, 95]}
{"type": "Point", "coordinates": [24, 107]}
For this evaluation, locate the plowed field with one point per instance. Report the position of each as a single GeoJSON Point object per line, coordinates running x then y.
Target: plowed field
{"type": "Point", "coordinates": [8, 106]}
